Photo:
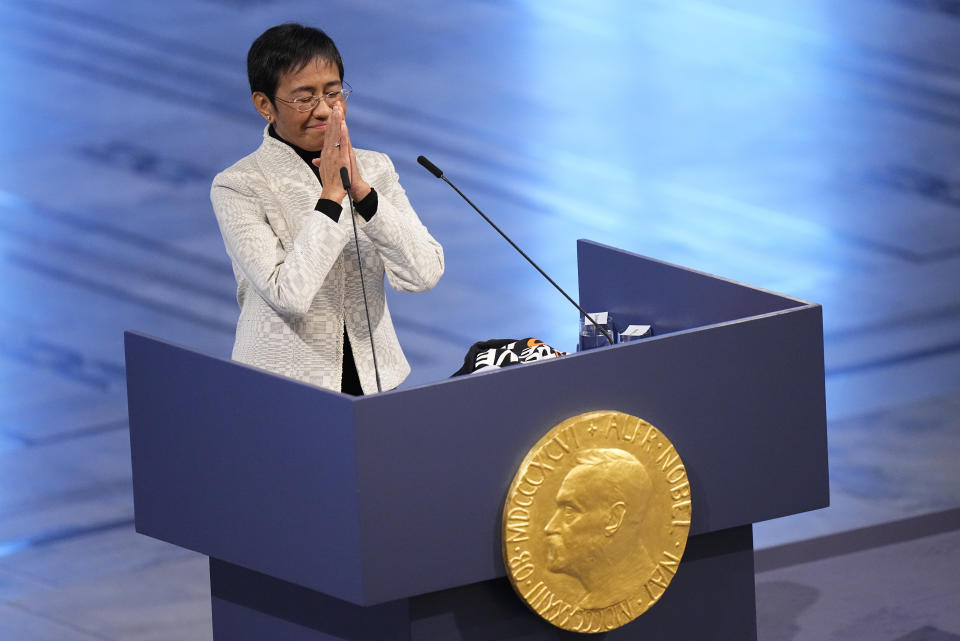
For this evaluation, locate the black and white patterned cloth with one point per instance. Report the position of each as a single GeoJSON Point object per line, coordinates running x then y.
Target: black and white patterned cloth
{"type": "Point", "coordinates": [502, 352]}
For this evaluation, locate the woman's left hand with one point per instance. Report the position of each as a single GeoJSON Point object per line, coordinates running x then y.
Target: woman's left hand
{"type": "Point", "coordinates": [359, 189]}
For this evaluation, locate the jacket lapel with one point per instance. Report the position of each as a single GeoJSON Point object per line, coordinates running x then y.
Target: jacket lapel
{"type": "Point", "coordinates": [292, 183]}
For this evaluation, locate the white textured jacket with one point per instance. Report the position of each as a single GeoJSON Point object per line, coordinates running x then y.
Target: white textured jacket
{"type": "Point", "coordinates": [297, 278]}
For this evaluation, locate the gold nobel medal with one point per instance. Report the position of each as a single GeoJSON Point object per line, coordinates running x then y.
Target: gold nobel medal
{"type": "Point", "coordinates": [596, 521]}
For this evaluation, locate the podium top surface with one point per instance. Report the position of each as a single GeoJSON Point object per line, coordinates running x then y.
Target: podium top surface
{"type": "Point", "coordinates": [381, 497]}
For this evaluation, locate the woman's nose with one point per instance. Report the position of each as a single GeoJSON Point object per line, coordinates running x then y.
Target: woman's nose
{"type": "Point", "coordinates": [321, 109]}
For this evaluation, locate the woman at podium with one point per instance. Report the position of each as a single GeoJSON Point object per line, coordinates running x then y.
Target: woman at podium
{"type": "Point", "coordinates": [287, 222]}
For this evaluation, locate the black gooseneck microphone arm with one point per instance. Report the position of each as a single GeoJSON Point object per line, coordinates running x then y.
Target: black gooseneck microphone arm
{"type": "Point", "coordinates": [345, 178]}
{"type": "Point", "coordinates": [433, 169]}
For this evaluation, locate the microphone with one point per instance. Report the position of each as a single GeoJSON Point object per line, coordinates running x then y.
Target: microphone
{"type": "Point", "coordinates": [345, 179]}
{"type": "Point", "coordinates": [433, 169]}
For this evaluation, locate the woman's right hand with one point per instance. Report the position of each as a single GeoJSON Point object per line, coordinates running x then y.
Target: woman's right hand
{"type": "Point", "coordinates": [333, 156]}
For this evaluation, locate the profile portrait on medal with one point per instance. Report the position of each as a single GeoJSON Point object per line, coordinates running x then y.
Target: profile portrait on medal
{"type": "Point", "coordinates": [313, 227]}
{"type": "Point", "coordinates": [596, 532]}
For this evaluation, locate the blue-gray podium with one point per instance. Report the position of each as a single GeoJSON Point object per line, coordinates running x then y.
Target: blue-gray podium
{"type": "Point", "coordinates": [378, 518]}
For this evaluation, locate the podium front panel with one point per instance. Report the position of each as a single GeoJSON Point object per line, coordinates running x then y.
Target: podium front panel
{"type": "Point", "coordinates": [245, 466]}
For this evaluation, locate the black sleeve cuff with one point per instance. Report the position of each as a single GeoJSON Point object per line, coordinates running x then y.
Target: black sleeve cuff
{"type": "Point", "coordinates": [330, 209]}
{"type": "Point", "coordinates": [368, 206]}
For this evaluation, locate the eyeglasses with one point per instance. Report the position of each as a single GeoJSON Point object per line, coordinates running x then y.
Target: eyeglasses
{"type": "Point", "coordinates": [310, 102]}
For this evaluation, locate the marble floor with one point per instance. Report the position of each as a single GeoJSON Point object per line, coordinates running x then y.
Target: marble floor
{"type": "Point", "coordinates": [808, 148]}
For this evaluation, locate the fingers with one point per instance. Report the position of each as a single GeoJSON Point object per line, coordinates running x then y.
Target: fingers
{"type": "Point", "coordinates": [333, 156]}
{"type": "Point", "coordinates": [337, 152]}
{"type": "Point", "coordinates": [347, 145]}
{"type": "Point", "coordinates": [345, 139]}
{"type": "Point", "coordinates": [358, 186]}
{"type": "Point", "coordinates": [332, 134]}
{"type": "Point", "coordinates": [347, 148]}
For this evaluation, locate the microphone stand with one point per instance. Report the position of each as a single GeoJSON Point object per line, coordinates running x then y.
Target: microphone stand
{"type": "Point", "coordinates": [345, 178]}
{"type": "Point", "coordinates": [433, 169]}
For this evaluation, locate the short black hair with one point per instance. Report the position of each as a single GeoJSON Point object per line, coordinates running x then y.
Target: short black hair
{"type": "Point", "coordinates": [287, 47]}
